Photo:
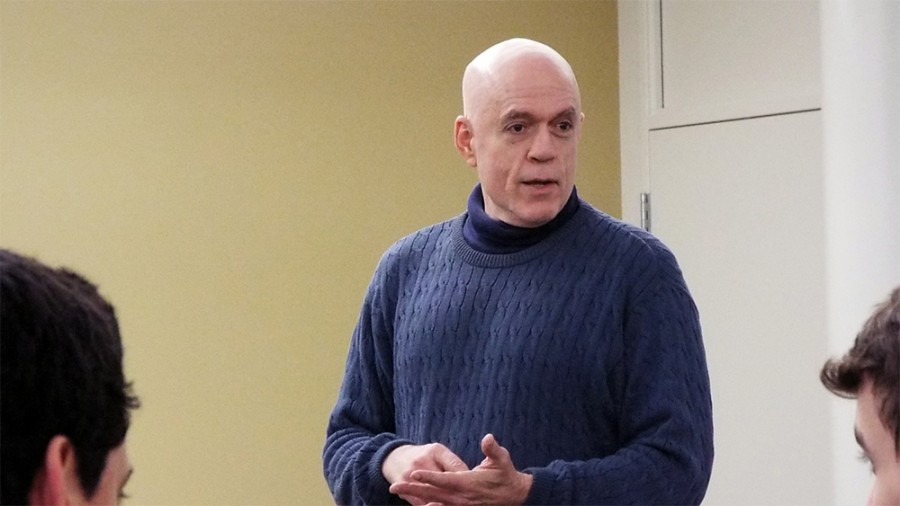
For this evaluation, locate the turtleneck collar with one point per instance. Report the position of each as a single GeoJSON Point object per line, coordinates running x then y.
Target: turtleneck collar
{"type": "Point", "coordinates": [488, 235]}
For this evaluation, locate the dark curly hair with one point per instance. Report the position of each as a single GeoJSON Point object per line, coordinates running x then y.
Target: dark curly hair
{"type": "Point", "coordinates": [875, 354]}
{"type": "Point", "coordinates": [61, 373]}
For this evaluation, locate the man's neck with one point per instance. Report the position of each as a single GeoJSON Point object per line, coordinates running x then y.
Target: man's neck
{"type": "Point", "coordinates": [489, 235]}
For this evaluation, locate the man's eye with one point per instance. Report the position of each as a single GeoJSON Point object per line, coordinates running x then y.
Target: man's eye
{"type": "Point", "coordinates": [565, 126]}
{"type": "Point", "coordinates": [517, 128]}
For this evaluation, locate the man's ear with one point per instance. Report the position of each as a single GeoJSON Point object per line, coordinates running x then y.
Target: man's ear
{"type": "Point", "coordinates": [462, 135]}
{"type": "Point", "coordinates": [56, 482]}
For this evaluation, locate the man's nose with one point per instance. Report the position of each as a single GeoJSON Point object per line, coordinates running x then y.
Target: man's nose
{"type": "Point", "coordinates": [543, 146]}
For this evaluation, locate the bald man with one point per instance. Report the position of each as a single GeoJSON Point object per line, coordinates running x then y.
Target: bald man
{"type": "Point", "coordinates": [532, 350]}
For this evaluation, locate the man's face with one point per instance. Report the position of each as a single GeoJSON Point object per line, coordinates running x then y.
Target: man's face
{"type": "Point", "coordinates": [878, 446]}
{"type": "Point", "coordinates": [525, 142]}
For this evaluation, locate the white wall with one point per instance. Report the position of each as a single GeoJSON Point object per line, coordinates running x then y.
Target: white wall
{"type": "Point", "coordinates": [861, 129]}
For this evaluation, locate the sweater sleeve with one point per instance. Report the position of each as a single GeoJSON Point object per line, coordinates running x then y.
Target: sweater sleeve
{"type": "Point", "coordinates": [360, 429]}
{"type": "Point", "coordinates": [665, 424]}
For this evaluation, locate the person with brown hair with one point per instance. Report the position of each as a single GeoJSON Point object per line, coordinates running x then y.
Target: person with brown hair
{"type": "Point", "coordinates": [870, 373]}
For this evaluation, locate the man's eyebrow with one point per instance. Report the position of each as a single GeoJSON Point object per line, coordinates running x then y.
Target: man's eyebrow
{"type": "Point", "coordinates": [515, 114]}
{"type": "Point", "coordinates": [567, 113]}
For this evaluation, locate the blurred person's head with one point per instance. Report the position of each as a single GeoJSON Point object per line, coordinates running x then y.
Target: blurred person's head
{"type": "Point", "coordinates": [65, 401]}
{"type": "Point", "coordinates": [870, 373]}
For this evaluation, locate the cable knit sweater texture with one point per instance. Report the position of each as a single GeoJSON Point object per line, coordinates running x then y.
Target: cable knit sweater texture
{"type": "Point", "coordinates": [582, 354]}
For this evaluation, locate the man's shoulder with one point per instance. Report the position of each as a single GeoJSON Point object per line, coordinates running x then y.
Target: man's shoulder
{"type": "Point", "coordinates": [635, 247]}
{"type": "Point", "coordinates": [616, 231]}
{"type": "Point", "coordinates": [424, 240]}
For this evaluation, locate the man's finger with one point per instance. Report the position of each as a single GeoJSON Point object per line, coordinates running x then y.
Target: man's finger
{"type": "Point", "coordinates": [492, 449]}
{"type": "Point", "coordinates": [421, 492]}
{"type": "Point", "coordinates": [449, 461]}
{"type": "Point", "coordinates": [414, 501]}
{"type": "Point", "coordinates": [444, 480]}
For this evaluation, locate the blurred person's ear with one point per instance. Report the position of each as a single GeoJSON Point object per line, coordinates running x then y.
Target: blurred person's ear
{"type": "Point", "coordinates": [56, 482]}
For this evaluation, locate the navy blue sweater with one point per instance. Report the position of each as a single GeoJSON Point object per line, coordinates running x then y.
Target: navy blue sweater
{"type": "Point", "coordinates": [582, 354]}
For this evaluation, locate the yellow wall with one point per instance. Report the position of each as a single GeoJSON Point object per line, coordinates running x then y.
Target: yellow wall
{"type": "Point", "coordinates": [230, 173]}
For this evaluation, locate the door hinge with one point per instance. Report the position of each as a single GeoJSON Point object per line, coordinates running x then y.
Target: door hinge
{"type": "Point", "coordinates": [645, 211]}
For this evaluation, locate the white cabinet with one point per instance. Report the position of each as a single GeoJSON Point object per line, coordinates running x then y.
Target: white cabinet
{"type": "Point", "coordinates": [720, 60]}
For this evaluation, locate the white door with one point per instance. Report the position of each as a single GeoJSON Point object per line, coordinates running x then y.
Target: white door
{"type": "Point", "coordinates": [740, 204]}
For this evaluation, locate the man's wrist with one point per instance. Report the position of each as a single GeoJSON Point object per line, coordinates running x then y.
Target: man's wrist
{"type": "Point", "coordinates": [391, 472]}
{"type": "Point", "coordinates": [525, 481]}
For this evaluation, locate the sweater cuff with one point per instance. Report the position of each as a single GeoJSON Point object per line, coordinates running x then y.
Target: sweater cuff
{"type": "Point", "coordinates": [541, 486]}
{"type": "Point", "coordinates": [376, 477]}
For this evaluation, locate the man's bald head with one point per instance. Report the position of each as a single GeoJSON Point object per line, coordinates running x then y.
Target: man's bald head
{"type": "Point", "coordinates": [492, 69]}
{"type": "Point", "coordinates": [520, 129]}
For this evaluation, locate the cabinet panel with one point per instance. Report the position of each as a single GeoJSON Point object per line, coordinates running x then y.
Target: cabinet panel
{"type": "Point", "coordinates": [741, 58]}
